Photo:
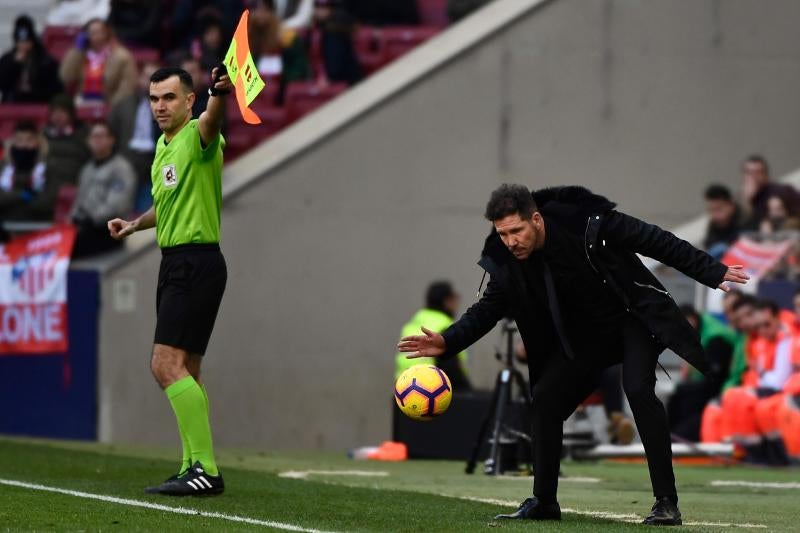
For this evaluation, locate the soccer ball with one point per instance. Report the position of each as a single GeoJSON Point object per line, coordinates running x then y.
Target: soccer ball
{"type": "Point", "coordinates": [423, 392]}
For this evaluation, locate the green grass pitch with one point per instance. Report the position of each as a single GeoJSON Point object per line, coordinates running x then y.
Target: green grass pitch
{"type": "Point", "coordinates": [418, 496]}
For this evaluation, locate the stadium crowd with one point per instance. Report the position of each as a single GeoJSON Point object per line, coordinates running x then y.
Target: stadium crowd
{"type": "Point", "coordinates": [78, 135]}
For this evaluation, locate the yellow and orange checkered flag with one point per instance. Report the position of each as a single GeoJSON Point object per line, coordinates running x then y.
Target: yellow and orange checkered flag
{"type": "Point", "coordinates": [243, 72]}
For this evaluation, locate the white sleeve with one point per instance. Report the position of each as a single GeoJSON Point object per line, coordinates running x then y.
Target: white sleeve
{"type": "Point", "coordinates": [781, 369]}
{"type": "Point", "coordinates": [302, 17]}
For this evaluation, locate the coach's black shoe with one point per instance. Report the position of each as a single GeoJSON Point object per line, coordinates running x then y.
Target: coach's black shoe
{"type": "Point", "coordinates": [195, 482]}
{"type": "Point", "coordinates": [664, 513]}
{"type": "Point", "coordinates": [534, 509]}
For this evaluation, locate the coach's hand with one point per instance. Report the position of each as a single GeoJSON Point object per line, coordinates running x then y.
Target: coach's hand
{"type": "Point", "coordinates": [429, 345]}
{"type": "Point", "coordinates": [736, 274]}
{"type": "Point", "coordinates": [119, 229]}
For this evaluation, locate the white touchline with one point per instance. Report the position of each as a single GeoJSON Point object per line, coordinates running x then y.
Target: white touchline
{"type": "Point", "coordinates": [303, 474]}
{"type": "Point", "coordinates": [620, 517]}
{"type": "Point", "coordinates": [159, 507]}
{"type": "Point", "coordinates": [757, 484]}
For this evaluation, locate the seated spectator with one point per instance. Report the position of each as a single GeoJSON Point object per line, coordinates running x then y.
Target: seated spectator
{"type": "Point", "coordinates": [210, 47]}
{"type": "Point", "coordinates": [22, 178]}
{"type": "Point", "coordinates": [66, 149]}
{"type": "Point", "coordinates": [458, 9]}
{"type": "Point", "coordinates": [757, 189]}
{"type": "Point", "coordinates": [725, 220]}
{"type": "Point", "coordinates": [77, 12]}
{"type": "Point", "coordinates": [136, 22]}
{"type": "Point", "coordinates": [780, 216]}
{"type": "Point", "coordinates": [336, 25]}
{"type": "Point", "coordinates": [136, 134]}
{"type": "Point", "coordinates": [200, 78]}
{"type": "Point", "coordinates": [441, 307]}
{"type": "Point", "coordinates": [385, 12]}
{"type": "Point", "coordinates": [98, 66]}
{"type": "Point", "coordinates": [750, 411]}
{"type": "Point", "coordinates": [295, 14]}
{"type": "Point", "coordinates": [27, 72]}
{"type": "Point", "coordinates": [188, 19]}
{"type": "Point", "coordinates": [686, 405]}
{"type": "Point", "coordinates": [278, 51]}
{"type": "Point", "coordinates": [106, 190]}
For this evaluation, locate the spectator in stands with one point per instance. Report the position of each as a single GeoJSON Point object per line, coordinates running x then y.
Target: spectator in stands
{"type": "Point", "coordinates": [77, 12]}
{"type": "Point", "coordinates": [385, 12]}
{"type": "Point", "coordinates": [337, 25]}
{"type": "Point", "coordinates": [66, 148]}
{"type": "Point", "coordinates": [295, 14]}
{"type": "Point", "coordinates": [739, 357]}
{"type": "Point", "coordinates": [686, 405]}
{"type": "Point", "coordinates": [106, 190]}
{"type": "Point", "coordinates": [211, 46]}
{"type": "Point", "coordinates": [189, 19]}
{"type": "Point", "coordinates": [757, 189]}
{"type": "Point", "coordinates": [749, 410]}
{"type": "Point", "coordinates": [725, 220]}
{"type": "Point", "coordinates": [458, 9]}
{"type": "Point", "coordinates": [136, 134]}
{"type": "Point", "coordinates": [200, 78]}
{"type": "Point", "coordinates": [441, 307]}
{"type": "Point", "coordinates": [278, 51]}
{"type": "Point", "coordinates": [27, 72]}
{"type": "Point", "coordinates": [781, 215]}
{"type": "Point", "coordinates": [22, 178]}
{"type": "Point", "coordinates": [98, 66]}
{"type": "Point", "coordinates": [136, 22]}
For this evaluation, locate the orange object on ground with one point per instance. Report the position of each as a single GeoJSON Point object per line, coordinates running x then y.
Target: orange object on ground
{"type": "Point", "coordinates": [390, 451]}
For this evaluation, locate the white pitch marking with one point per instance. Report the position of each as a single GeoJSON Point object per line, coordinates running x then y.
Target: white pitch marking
{"type": "Point", "coordinates": [575, 479]}
{"type": "Point", "coordinates": [630, 518]}
{"type": "Point", "coordinates": [159, 507]}
{"type": "Point", "coordinates": [757, 484]}
{"type": "Point", "coordinates": [303, 474]}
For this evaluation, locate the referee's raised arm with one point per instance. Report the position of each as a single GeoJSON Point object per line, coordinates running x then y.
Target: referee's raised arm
{"type": "Point", "coordinates": [210, 121]}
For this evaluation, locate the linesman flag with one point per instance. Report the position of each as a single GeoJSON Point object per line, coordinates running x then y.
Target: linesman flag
{"type": "Point", "coordinates": [243, 72]}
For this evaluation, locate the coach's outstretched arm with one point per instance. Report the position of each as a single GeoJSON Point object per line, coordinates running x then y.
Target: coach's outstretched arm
{"type": "Point", "coordinates": [479, 319]}
{"type": "Point", "coordinates": [649, 240]}
{"type": "Point", "coordinates": [119, 229]}
{"type": "Point", "coordinates": [210, 121]}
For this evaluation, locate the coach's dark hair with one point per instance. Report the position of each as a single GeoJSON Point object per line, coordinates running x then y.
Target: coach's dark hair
{"type": "Point", "coordinates": [167, 72]}
{"type": "Point", "coordinates": [437, 293]}
{"type": "Point", "coordinates": [510, 199]}
{"type": "Point", "coordinates": [757, 158]}
{"type": "Point", "coordinates": [718, 192]}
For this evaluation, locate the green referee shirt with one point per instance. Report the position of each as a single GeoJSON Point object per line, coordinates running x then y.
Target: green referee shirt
{"type": "Point", "coordinates": [187, 188]}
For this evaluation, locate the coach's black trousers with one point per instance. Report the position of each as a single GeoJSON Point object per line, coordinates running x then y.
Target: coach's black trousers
{"type": "Point", "coordinates": [560, 385]}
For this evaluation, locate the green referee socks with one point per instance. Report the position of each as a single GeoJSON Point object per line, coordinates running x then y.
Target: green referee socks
{"type": "Point", "coordinates": [190, 404]}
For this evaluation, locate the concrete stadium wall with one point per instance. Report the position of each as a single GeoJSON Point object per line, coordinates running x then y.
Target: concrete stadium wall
{"type": "Point", "coordinates": [329, 252]}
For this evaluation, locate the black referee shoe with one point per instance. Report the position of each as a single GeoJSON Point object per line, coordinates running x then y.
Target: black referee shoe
{"type": "Point", "coordinates": [195, 482]}
{"type": "Point", "coordinates": [534, 509]}
{"type": "Point", "coordinates": [665, 512]}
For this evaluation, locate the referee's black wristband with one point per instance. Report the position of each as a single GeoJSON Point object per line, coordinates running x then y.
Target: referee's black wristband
{"type": "Point", "coordinates": [212, 91]}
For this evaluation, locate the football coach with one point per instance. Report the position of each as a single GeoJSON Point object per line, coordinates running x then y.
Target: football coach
{"type": "Point", "coordinates": [562, 262]}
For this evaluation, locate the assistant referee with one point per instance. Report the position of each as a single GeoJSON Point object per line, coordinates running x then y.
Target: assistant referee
{"type": "Point", "coordinates": [187, 196]}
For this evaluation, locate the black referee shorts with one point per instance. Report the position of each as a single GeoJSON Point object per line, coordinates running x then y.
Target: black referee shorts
{"type": "Point", "coordinates": [191, 281]}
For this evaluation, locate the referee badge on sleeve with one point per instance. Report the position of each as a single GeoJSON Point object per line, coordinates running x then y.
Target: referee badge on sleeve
{"type": "Point", "coordinates": [170, 175]}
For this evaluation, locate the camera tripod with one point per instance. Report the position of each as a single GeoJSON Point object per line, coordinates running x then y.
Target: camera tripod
{"type": "Point", "coordinates": [499, 410]}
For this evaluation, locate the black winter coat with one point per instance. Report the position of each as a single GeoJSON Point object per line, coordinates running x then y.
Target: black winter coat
{"type": "Point", "coordinates": [611, 242]}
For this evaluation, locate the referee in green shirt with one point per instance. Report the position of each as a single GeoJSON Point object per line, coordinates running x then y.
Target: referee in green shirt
{"type": "Point", "coordinates": [187, 196]}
